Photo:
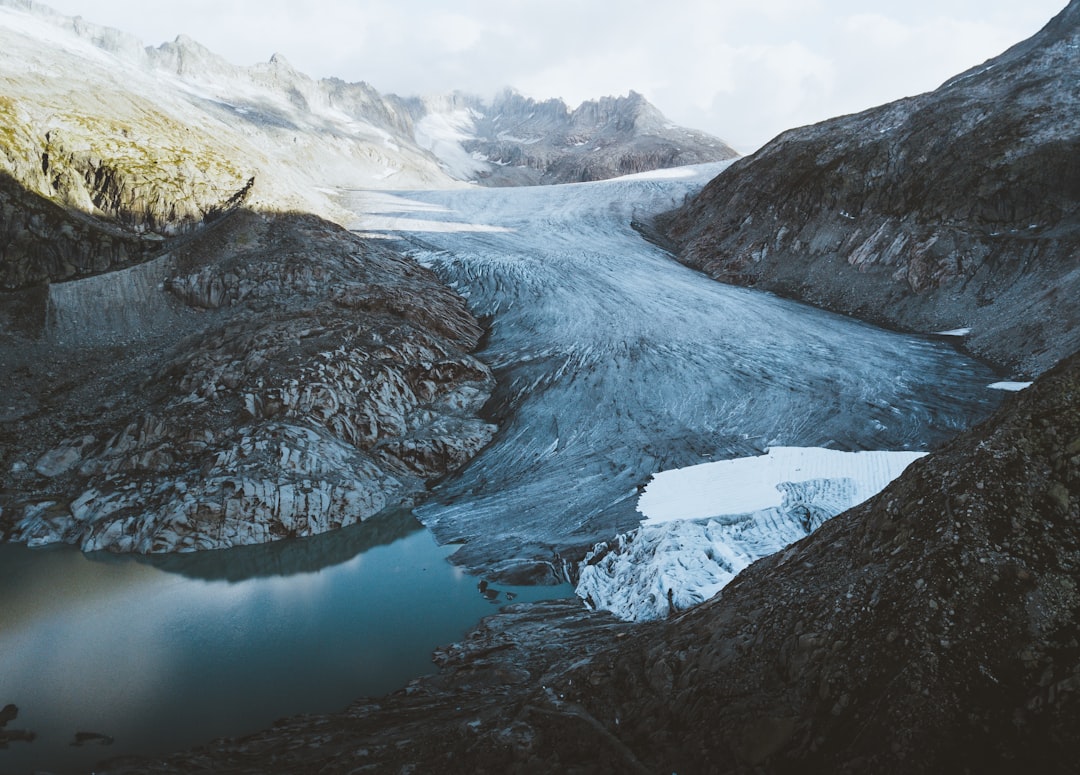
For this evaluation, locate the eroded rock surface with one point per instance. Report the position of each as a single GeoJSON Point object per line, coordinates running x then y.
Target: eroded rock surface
{"type": "Point", "coordinates": [280, 377]}
{"type": "Point", "coordinates": [954, 209]}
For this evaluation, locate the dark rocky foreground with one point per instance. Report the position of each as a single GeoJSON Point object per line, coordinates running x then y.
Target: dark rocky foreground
{"type": "Point", "coordinates": [272, 376]}
{"type": "Point", "coordinates": [932, 629]}
{"type": "Point", "coordinates": [957, 208]}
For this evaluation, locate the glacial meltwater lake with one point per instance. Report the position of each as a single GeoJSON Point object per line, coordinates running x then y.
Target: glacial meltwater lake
{"type": "Point", "coordinates": [166, 653]}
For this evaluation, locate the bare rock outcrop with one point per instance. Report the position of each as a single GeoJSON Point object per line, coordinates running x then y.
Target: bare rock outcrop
{"type": "Point", "coordinates": [959, 208]}
{"type": "Point", "coordinates": [281, 378]}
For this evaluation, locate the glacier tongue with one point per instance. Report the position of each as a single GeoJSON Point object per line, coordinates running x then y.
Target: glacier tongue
{"type": "Point", "coordinates": [706, 523]}
{"type": "Point", "coordinates": [613, 362]}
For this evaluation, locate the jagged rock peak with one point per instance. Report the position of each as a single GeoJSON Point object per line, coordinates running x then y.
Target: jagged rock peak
{"type": "Point", "coordinates": [517, 140]}
{"type": "Point", "coordinates": [185, 56]}
{"type": "Point", "coordinates": [279, 60]}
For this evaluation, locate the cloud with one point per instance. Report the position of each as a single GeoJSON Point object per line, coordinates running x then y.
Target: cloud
{"type": "Point", "coordinates": [742, 69]}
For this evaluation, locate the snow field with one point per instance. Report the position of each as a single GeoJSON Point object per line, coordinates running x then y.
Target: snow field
{"type": "Point", "coordinates": [706, 523]}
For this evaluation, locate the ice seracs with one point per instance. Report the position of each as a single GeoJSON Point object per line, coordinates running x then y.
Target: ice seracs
{"type": "Point", "coordinates": [706, 523]}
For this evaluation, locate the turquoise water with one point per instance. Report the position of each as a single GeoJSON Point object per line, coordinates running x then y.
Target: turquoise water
{"type": "Point", "coordinates": [167, 653]}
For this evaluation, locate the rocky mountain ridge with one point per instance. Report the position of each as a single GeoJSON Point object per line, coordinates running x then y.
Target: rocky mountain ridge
{"type": "Point", "coordinates": [956, 209]}
{"type": "Point", "coordinates": [514, 140]}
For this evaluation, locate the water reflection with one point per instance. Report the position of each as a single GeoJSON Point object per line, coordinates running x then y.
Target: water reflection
{"type": "Point", "coordinates": [161, 654]}
{"type": "Point", "coordinates": [284, 558]}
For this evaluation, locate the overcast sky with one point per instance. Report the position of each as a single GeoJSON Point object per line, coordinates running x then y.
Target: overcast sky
{"type": "Point", "coordinates": [741, 69]}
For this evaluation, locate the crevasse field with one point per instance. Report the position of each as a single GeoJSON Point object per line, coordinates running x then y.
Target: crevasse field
{"type": "Point", "coordinates": [615, 362]}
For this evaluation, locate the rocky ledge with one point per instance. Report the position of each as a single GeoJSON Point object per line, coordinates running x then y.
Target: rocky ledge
{"type": "Point", "coordinates": [954, 209]}
{"type": "Point", "coordinates": [274, 376]}
{"type": "Point", "coordinates": [931, 629]}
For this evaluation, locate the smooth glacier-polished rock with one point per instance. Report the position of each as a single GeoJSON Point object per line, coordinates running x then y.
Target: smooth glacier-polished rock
{"type": "Point", "coordinates": [277, 377]}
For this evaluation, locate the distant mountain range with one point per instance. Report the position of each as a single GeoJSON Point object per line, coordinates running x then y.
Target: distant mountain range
{"type": "Point", "coordinates": [156, 137]}
{"type": "Point", "coordinates": [519, 141]}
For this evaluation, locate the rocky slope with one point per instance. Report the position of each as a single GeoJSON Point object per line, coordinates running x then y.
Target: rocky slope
{"type": "Point", "coordinates": [932, 629]}
{"type": "Point", "coordinates": [156, 139]}
{"type": "Point", "coordinates": [957, 208]}
{"type": "Point", "coordinates": [516, 141]}
{"type": "Point", "coordinates": [275, 376]}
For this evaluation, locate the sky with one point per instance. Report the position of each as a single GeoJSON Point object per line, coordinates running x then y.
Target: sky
{"type": "Point", "coordinates": [743, 70]}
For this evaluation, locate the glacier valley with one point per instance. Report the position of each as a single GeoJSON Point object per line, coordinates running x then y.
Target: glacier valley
{"type": "Point", "coordinates": [614, 363]}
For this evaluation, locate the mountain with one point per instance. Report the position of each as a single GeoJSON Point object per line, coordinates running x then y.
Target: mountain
{"type": "Point", "coordinates": [152, 140]}
{"type": "Point", "coordinates": [932, 628]}
{"type": "Point", "coordinates": [195, 355]}
{"type": "Point", "coordinates": [156, 137]}
{"type": "Point", "coordinates": [519, 141]}
{"type": "Point", "coordinates": [189, 361]}
{"type": "Point", "coordinates": [959, 208]}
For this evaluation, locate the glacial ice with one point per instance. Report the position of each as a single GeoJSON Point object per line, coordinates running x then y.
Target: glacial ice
{"type": "Point", "coordinates": [706, 523]}
{"type": "Point", "coordinates": [613, 362]}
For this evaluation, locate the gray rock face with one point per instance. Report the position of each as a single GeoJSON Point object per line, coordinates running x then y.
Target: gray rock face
{"type": "Point", "coordinates": [41, 241]}
{"type": "Point", "coordinates": [957, 208]}
{"type": "Point", "coordinates": [275, 377]}
{"type": "Point", "coordinates": [519, 141]}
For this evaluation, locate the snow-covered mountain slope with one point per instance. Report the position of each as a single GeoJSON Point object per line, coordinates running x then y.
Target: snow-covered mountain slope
{"type": "Point", "coordinates": [156, 137]}
{"type": "Point", "coordinates": [514, 140]}
{"type": "Point", "coordinates": [613, 362]}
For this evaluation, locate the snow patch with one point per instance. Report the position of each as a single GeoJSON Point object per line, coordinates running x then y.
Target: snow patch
{"type": "Point", "coordinates": [443, 134]}
{"type": "Point", "coordinates": [680, 173]}
{"type": "Point", "coordinates": [1012, 387]}
{"type": "Point", "coordinates": [748, 484]}
{"type": "Point", "coordinates": [954, 332]}
{"type": "Point", "coordinates": [706, 523]}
